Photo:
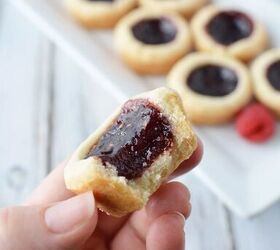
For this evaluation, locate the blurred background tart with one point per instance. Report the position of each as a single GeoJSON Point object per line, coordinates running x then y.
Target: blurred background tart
{"type": "Point", "coordinates": [150, 41]}
{"type": "Point", "coordinates": [266, 79]}
{"type": "Point", "coordinates": [229, 31]}
{"type": "Point", "coordinates": [213, 87]}
{"type": "Point", "coordinates": [99, 13]}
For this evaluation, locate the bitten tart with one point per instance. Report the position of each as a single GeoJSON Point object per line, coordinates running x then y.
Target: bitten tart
{"type": "Point", "coordinates": [266, 79]}
{"type": "Point", "coordinates": [151, 41]}
{"type": "Point", "coordinates": [133, 152]}
{"type": "Point", "coordinates": [228, 31]}
{"type": "Point", "coordinates": [213, 87]}
{"type": "Point", "coordinates": [99, 13]}
{"type": "Point", "coordinates": [185, 7]}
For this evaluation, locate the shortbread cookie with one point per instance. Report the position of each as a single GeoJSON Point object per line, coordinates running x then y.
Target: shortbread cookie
{"type": "Point", "coordinates": [266, 79]}
{"type": "Point", "coordinates": [213, 87]}
{"type": "Point", "coordinates": [185, 7]}
{"type": "Point", "coordinates": [131, 154]}
{"type": "Point", "coordinates": [151, 41]}
{"type": "Point", "coordinates": [228, 31]}
{"type": "Point", "coordinates": [99, 13]}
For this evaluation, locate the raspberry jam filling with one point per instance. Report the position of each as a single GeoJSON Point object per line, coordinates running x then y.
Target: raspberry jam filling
{"type": "Point", "coordinates": [273, 75]}
{"type": "Point", "coordinates": [137, 137]}
{"type": "Point", "coordinates": [228, 27]}
{"type": "Point", "coordinates": [212, 80]}
{"type": "Point", "coordinates": [155, 31]}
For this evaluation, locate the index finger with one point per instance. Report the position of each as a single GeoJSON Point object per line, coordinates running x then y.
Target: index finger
{"type": "Point", "coordinates": [51, 189]}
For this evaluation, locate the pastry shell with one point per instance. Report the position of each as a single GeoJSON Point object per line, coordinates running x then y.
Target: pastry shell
{"type": "Point", "coordinates": [114, 194]}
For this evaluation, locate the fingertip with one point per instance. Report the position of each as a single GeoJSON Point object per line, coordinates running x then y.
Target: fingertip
{"type": "Point", "coordinates": [170, 197]}
{"type": "Point", "coordinates": [167, 232]}
{"type": "Point", "coordinates": [196, 157]}
{"type": "Point", "coordinates": [66, 216]}
{"type": "Point", "coordinates": [192, 162]}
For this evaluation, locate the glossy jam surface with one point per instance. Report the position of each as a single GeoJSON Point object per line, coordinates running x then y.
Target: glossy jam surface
{"type": "Point", "coordinates": [273, 75]}
{"type": "Point", "coordinates": [230, 26]}
{"type": "Point", "coordinates": [137, 137]}
{"type": "Point", "coordinates": [212, 80]}
{"type": "Point", "coordinates": [155, 31]}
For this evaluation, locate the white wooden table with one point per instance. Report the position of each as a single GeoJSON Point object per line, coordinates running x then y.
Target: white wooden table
{"type": "Point", "coordinates": [46, 109]}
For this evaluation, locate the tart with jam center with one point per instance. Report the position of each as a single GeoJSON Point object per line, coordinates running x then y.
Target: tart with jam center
{"type": "Point", "coordinates": [131, 154]}
{"type": "Point", "coordinates": [184, 7]}
{"type": "Point", "coordinates": [99, 13]}
{"type": "Point", "coordinates": [151, 41]}
{"type": "Point", "coordinates": [213, 87]}
{"type": "Point", "coordinates": [266, 79]}
{"type": "Point", "coordinates": [229, 31]}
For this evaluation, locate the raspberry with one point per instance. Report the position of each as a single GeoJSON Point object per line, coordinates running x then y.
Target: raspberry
{"type": "Point", "coordinates": [256, 123]}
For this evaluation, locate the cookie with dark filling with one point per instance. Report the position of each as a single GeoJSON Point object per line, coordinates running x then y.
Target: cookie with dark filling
{"type": "Point", "coordinates": [127, 158]}
{"type": "Point", "coordinates": [266, 79]}
{"type": "Point", "coordinates": [229, 31]}
{"type": "Point", "coordinates": [213, 87]}
{"type": "Point", "coordinates": [99, 13]}
{"type": "Point", "coordinates": [151, 41]}
{"type": "Point", "coordinates": [184, 7]}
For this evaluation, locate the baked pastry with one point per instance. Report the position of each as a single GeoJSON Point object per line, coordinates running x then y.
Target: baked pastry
{"type": "Point", "coordinates": [213, 87]}
{"type": "Point", "coordinates": [228, 31]}
{"type": "Point", "coordinates": [185, 7]}
{"type": "Point", "coordinates": [266, 79]}
{"type": "Point", "coordinates": [99, 13]}
{"type": "Point", "coordinates": [151, 41]}
{"type": "Point", "coordinates": [127, 158]}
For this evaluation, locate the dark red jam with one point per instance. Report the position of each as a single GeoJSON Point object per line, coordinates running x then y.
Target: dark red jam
{"type": "Point", "coordinates": [273, 75]}
{"type": "Point", "coordinates": [212, 80]}
{"type": "Point", "coordinates": [155, 31]}
{"type": "Point", "coordinates": [228, 27]}
{"type": "Point", "coordinates": [138, 136]}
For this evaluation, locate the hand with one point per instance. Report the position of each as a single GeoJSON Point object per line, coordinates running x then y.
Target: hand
{"type": "Point", "coordinates": [52, 219]}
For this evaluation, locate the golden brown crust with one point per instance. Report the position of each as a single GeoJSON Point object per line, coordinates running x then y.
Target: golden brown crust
{"type": "Point", "coordinates": [264, 91]}
{"type": "Point", "coordinates": [151, 59]}
{"type": "Point", "coordinates": [244, 49]}
{"type": "Point", "coordinates": [116, 195]}
{"type": "Point", "coordinates": [93, 14]}
{"type": "Point", "coordinates": [204, 109]}
{"type": "Point", "coordinates": [184, 7]}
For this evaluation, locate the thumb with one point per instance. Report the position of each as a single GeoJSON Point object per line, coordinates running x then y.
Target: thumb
{"type": "Point", "coordinates": [64, 225]}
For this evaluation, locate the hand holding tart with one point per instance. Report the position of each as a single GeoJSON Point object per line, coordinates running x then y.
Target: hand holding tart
{"type": "Point", "coordinates": [130, 155]}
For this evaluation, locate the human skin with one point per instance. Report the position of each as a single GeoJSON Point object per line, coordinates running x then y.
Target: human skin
{"type": "Point", "coordinates": [52, 218]}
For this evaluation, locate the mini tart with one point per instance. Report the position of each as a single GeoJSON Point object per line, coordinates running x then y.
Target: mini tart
{"type": "Point", "coordinates": [185, 7]}
{"type": "Point", "coordinates": [266, 79]}
{"type": "Point", "coordinates": [123, 167]}
{"type": "Point", "coordinates": [228, 31]}
{"type": "Point", "coordinates": [213, 87]}
{"type": "Point", "coordinates": [151, 41]}
{"type": "Point", "coordinates": [99, 13]}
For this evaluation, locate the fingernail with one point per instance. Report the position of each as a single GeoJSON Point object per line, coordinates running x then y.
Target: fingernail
{"type": "Point", "coordinates": [189, 210]}
{"type": "Point", "coordinates": [64, 216]}
{"type": "Point", "coordinates": [181, 218]}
